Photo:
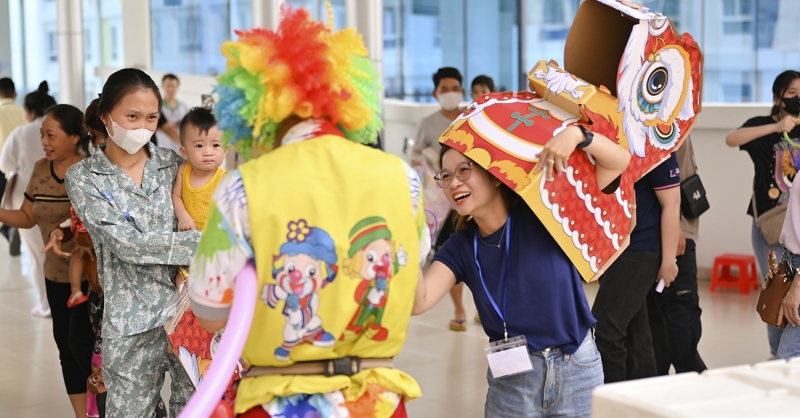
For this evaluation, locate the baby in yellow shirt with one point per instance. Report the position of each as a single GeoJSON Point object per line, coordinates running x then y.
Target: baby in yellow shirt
{"type": "Point", "coordinates": [201, 144]}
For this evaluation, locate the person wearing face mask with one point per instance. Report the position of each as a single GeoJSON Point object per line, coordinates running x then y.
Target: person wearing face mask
{"type": "Point", "coordinates": [773, 160]}
{"type": "Point", "coordinates": [122, 194]}
{"type": "Point", "coordinates": [762, 138]}
{"type": "Point", "coordinates": [449, 93]}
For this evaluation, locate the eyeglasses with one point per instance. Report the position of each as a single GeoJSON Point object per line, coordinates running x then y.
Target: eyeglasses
{"type": "Point", "coordinates": [461, 172]}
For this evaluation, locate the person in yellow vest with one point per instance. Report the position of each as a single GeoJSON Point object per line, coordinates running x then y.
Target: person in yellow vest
{"type": "Point", "coordinates": [201, 144]}
{"type": "Point", "coordinates": [330, 224]}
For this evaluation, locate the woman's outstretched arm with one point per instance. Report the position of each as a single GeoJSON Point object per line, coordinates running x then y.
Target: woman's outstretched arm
{"type": "Point", "coordinates": [432, 286]}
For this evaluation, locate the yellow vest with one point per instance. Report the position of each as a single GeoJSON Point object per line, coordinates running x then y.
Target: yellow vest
{"type": "Point", "coordinates": [198, 199]}
{"type": "Point", "coordinates": [336, 247]}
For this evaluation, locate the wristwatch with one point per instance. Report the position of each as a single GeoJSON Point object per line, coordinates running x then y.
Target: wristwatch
{"type": "Point", "coordinates": [586, 133]}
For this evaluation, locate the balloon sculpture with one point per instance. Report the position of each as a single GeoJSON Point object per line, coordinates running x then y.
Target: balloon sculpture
{"type": "Point", "coordinates": [207, 396]}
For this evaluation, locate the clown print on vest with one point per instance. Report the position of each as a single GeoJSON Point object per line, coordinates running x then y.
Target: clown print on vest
{"type": "Point", "coordinates": [305, 265]}
{"type": "Point", "coordinates": [371, 258]}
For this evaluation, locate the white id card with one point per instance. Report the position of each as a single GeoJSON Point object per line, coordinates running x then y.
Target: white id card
{"type": "Point", "coordinates": [508, 357]}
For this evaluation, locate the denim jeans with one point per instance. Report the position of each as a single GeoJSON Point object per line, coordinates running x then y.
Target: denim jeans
{"type": "Point", "coordinates": [560, 385]}
{"type": "Point", "coordinates": [785, 343]}
{"type": "Point", "coordinates": [761, 251]}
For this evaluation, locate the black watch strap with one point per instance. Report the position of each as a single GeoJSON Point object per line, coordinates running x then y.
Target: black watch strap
{"type": "Point", "coordinates": [586, 133]}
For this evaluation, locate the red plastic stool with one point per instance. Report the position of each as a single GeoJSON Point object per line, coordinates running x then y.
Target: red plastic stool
{"type": "Point", "coordinates": [746, 279]}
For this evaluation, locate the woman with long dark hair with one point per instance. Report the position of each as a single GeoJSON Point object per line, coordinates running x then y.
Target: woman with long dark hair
{"type": "Point", "coordinates": [65, 143]}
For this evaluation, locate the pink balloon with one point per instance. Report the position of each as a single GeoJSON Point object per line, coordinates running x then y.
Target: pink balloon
{"type": "Point", "coordinates": [216, 380]}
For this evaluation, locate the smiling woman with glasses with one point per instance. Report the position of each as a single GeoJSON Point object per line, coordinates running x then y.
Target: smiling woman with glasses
{"type": "Point", "coordinates": [528, 293]}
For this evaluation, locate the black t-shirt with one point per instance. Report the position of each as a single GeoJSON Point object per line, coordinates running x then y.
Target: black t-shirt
{"type": "Point", "coordinates": [770, 184]}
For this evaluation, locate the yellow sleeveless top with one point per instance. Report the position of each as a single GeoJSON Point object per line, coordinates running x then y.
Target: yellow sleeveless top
{"type": "Point", "coordinates": [336, 245]}
{"type": "Point", "coordinates": [197, 200]}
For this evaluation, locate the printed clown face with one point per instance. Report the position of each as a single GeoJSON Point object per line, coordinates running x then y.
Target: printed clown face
{"type": "Point", "coordinates": [376, 260]}
{"type": "Point", "coordinates": [301, 275]}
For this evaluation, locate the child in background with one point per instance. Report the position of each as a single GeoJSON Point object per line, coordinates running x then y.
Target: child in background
{"type": "Point", "coordinates": [482, 84]}
{"type": "Point", "coordinates": [201, 144]}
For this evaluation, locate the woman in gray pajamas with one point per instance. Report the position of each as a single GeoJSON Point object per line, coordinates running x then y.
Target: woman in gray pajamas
{"type": "Point", "coordinates": [123, 196]}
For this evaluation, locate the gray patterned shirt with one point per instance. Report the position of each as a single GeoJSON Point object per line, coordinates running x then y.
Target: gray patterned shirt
{"type": "Point", "coordinates": [134, 233]}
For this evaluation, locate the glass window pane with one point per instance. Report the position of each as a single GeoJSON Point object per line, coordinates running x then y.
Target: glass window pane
{"type": "Point", "coordinates": [241, 16]}
{"type": "Point", "coordinates": [319, 12]}
{"type": "Point", "coordinates": [729, 7]}
{"type": "Point", "coordinates": [34, 45]}
{"type": "Point", "coordinates": [777, 46]}
{"type": "Point", "coordinates": [729, 51]}
{"type": "Point", "coordinates": [102, 35]}
{"type": "Point", "coordinates": [421, 36]}
{"type": "Point", "coordinates": [545, 39]}
{"type": "Point", "coordinates": [744, 7]}
{"type": "Point", "coordinates": [553, 11]}
{"type": "Point", "coordinates": [187, 35]}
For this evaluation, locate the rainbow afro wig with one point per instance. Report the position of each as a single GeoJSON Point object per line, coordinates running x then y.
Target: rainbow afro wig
{"type": "Point", "coordinates": [302, 69]}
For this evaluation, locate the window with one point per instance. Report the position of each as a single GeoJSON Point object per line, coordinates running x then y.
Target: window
{"type": "Point", "coordinates": [318, 10]}
{"type": "Point", "coordinates": [420, 36]}
{"type": "Point", "coordinates": [188, 28]}
{"type": "Point", "coordinates": [87, 44]}
{"type": "Point", "coordinates": [188, 35]}
{"type": "Point", "coordinates": [737, 17]}
{"type": "Point", "coordinates": [34, 45]}
{"type": "Point", "coordinates": [52, 46]}
{"type": "Point", "coordinates": [553, 11]}
{"type": "Point", "coordinates": [737, 92]}
{"type": "Point", "coordinates": [114, 43]}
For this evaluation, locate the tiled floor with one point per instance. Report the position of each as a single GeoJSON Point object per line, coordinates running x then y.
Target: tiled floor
{"type": "Point", "coordinates": [450, 367]}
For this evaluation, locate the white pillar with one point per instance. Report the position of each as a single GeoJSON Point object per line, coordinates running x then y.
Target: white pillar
{"type": "Point", "coordinates": [266, 13]}
{"type": "Point", "coordinates": [366, 16]}
{"type": "Point", "coordinates": [70, 53]}
{"type": "Point", "coordinates": [136, 34]}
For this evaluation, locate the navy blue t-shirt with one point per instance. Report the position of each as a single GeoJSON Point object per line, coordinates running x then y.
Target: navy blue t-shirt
{"type": "Point", "coordinates": [545, 303]}
{"type": "Point", "coordinates": [646, 236]}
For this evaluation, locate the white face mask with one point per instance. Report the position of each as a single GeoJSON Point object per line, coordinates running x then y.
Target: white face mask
{"type": "Point", "coordinates": [129, 140]}
{"type": "Point", "coordinates": [449, 101]}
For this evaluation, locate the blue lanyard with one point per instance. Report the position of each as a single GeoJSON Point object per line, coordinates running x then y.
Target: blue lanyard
{"type": "Point", "coordinates": [500, 313]}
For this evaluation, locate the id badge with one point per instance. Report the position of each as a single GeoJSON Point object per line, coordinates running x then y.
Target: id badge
{"type": "Point", "coordinates": [508, 357]}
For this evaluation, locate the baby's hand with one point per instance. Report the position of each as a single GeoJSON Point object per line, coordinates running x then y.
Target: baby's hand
{"type": "Point", "coordinates": [186, 223]}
